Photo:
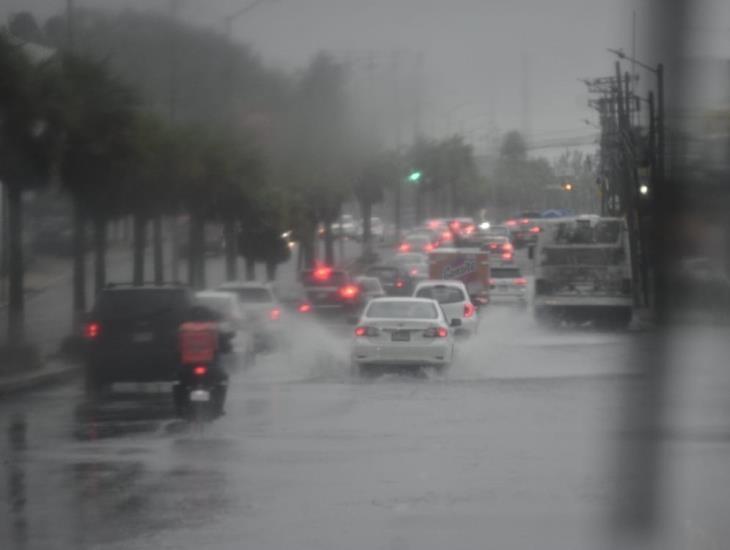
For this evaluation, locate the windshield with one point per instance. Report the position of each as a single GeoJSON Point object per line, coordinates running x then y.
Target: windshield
{"type": "Point", "coordinates": [402, 310]}
{"type": "Point", "coordinates": [442, 294]}
{"type": "Point", "coordinates": [140, 303]}
{"type": "Point", "coordinates": [504, 273]}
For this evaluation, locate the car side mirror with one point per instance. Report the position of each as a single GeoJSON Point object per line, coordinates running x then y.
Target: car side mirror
{"type": "Point", "coordinates": [455, 323]}
{"type": "Point", "coordinates": [352, 320]}
{"type": "Point", "coordinates": [531, 252]}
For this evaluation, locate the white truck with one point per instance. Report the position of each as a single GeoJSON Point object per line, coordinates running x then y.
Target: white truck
{"type": "Point", "coordinates": [583, 271]}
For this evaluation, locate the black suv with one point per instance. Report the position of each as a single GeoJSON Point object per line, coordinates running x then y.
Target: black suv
{"type": "Point", "coordinates": [132, 334]}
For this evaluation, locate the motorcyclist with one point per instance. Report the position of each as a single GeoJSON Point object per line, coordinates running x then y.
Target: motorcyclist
{"type": "Point", "coordinates": [199, 344]}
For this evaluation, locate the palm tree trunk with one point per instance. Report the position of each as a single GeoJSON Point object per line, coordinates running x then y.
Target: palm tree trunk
{"type": "Point", "coordinates": [79, 265]}
{"type": "Point", "coordinates": [366, 210]}
{"type": "Point", "coordinates": [271, 271]}
{"type": "Point", "coordinates": [158, 257]}
{"type": "Point", "coordinates": [250, 269]}
{"type": "Point", "coordinates": [140, 243]}
{"type": "Point", "coordinates": [100, 247]}
{"type": "Point", "coordinates": [16, 299]}
{"type": "Point", "coordinates": [329, 248]}
{"type": "Point", "coordinates": [231, 246]}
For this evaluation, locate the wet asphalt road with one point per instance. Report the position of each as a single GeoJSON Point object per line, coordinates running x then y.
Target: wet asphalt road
{"type": "Point", "coordinates": [510, 446]}
{"type": "Point", "coordinates": [513, 448]}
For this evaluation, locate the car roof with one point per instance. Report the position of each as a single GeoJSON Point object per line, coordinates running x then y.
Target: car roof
{"type": "Point", "coordinates": [441, 282]}
{"type": "Point", "coordinates": [360, 278]}
{"type": "Point", "coordinates": [403, 299]}
{"type": "Point", "coordinates": [244, 284]}
{"type": "Point", "coordinates": [216, 294]}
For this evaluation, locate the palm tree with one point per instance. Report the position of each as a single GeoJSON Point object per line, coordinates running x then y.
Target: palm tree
{"type": "Point", "coordinates": [27, 144]}
{"type": "Point", "coordinates": [97, 152]}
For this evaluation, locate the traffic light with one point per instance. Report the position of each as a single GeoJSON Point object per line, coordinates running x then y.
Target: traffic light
{"type": "Point", "coordinates": [566, 186]}
{"type": "Point", "coordinates": [414, 177]}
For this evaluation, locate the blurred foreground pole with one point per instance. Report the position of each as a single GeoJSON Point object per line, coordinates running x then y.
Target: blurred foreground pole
{"type": "Point", "coordinates": [3, 243]}
{"type": "Point", "coordinates": [173, 224]}
{"type": "Point", "coordinates": [637, 507]}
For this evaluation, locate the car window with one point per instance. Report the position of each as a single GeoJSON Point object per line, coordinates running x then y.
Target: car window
{"type": "Point", "coordinates": [387, 274]}
{"type": "Point", "coordinates": [402, 310]}
{"type": "Point", "coordinates": [221, 304]}
{"type": "Point", "coordinates": [140, 303]}
{"type": "Point", "coordinates": [443, 294]}
{"type": "Point", "coordinates": [370, 285]}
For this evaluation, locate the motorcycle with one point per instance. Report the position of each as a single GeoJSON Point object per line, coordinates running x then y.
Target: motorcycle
{"type": "Point", "coordinates": [199, 392]}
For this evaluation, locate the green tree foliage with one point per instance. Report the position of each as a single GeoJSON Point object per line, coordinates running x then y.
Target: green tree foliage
{"type": "Point", "coordinates": [520, 183]}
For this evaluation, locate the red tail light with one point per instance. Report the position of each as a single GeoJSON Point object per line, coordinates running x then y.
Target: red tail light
{"type": "Point", "coordinates": [507, 247]}
{"type": "Point", "coordinates": [520, 281]}
{"type": "Point", "coordinates": [414, 272]}
{"type": "Point", "coordinates": [404, 247]}
{"type": "Point", "coordinates": [91, 330]}
{"type": "Point", "coordinates": [507, 256]}
{"type": "Point", "coordinates": [305, 308]}
{"type": "Point", "coordinates": [428, 248]}
{"type": "Point", "coordinates": [435, 332]}
{"type": "Point", "coordinates": [469, 310]}
{"type": "Point", "coordinates": [510, 223]}
{"type": "Point", "coordinates": [200, 370]}
{"type": "Point", "coordinates": [433, 224]}
{"type": "Point", "coordinates": [399, 283]}
{"type": "Point", "coordinates": [366, 331]}
{"type": "Point", "coordinates": [492, 282]}
{"type": "Point", "coordinates": [446, 236]}
{"type": "Point", "coordinates": [349, 291]}
{"type": "Point", "coordinates": [275, 314]}
{"type": "Point", "coordinates": [524, 221]}
{"type": "Point", "coordinates": [535, 229]}
{"type": "Point", "coordinates": [322, 273]}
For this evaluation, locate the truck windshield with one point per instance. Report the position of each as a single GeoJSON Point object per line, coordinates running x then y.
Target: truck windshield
{"type": "Point", "coordinates": [579, 256]}
{"type": "Point", "coordinates": [582, 232]}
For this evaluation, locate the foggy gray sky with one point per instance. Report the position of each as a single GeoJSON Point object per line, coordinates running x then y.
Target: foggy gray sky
{"type": "Point", "coordinates": [473, 49]}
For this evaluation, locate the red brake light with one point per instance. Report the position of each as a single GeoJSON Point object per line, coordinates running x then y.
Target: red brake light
{"type": "Point", "coordinates": [428, 247]}
{"type": "Point", "coordinates": [275, 314]}
{"type": "Point", "coordinates": [414, 272]}
{"type": "Point", "coordinates": [200, 370]}
{"type": "Point", "coordinates": [435, 332]}
{"type": "Point", "coordinates": [404, 247]}
{"type": "Point", "coordinates": [510, 223]}
{"type": "Point", "coordinates": [520, 281]}
{"type": "Point", "coordinates": [366, 331]}
{"type": "Point", "coordinates": [469, 310]}
{"type": "Point", "coordinates": [91, 330]}
{"type": "Point", "coordinates": [399, 283]}
{"type": "Point", "coordinates": [507, 256]}
{"type": "Point", "coordinates": [446, 236]}
{"type": "Point", "coordinates": [322, 273]}
{"type": "Point", "coordinates": [305, 307]}
{"type": "Point", "coordinates": [433, 224]}
{"type": "Point", "coordinates": [349, 291]}
{"type": "Point", "coordinates": [507, 247]}
{"type": "Point", "coordinates": [524, 221]}
{"type": "Point", "coordinates": [535, 229]}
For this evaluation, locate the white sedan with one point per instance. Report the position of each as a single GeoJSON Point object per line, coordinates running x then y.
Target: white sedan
{"type": "Point", "coordinates": [403, 332]}
{"type": "Point", "coordinates": [454, 300]}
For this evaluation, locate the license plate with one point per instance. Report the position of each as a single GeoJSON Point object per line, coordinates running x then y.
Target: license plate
{"type": "Point", "coordinates": [142, 337]}
{"type": "Point", "coordinates": [401, 336]}
{"type": "Point", "coordinates": [199, 396]}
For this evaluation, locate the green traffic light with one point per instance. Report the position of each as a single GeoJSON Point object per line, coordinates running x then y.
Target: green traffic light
{"type": "Point", "coordinates": [414, 177]}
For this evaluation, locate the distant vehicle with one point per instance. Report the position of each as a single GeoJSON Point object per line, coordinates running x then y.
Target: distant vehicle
{"type": "Point", "coordinates": [405, 258]}
{"type": "Point", "coordinates": [500, 250]}
{"type": "Point", "coordinates": [524, 229]}
{"type": "Point", "coordinates": [411, 332]}
{"type": "Point", "coordinates": [468, 265]}
{"type": "Point", "coordinates": [226, 304]}
{"type": "Point", "coordinates": [370, 287]}
{"type": "Point", "coordinates": [417, 271]}
{"type": "Point", "coordinates": [261, 312]}
{"type": "Point", "coordinates": [393, 278]}
{"type": "Point", "coordinates": [330, 290]}
{"type": "Point", "coordinates": [498, 231]}
{"type": "Point", "coordinates": [583, 271]}
{"type": "Point", "coordinates": [455, 301]}
{"type": "Point", "coordinates": [132, 334]}
{"type": "Point", "coordinates": [507, 285]}
{"type": "Point", "coordinates": [416, 243]}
